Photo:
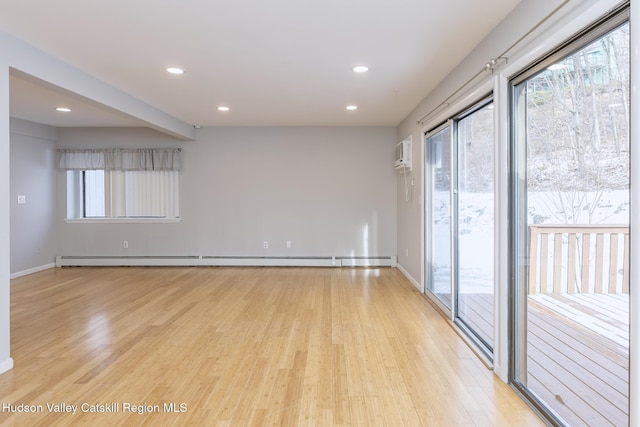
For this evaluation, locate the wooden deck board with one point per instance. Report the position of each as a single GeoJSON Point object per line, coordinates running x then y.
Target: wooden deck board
{"type": "Point", "coordinates": [588, 350]}
{"type": "Point", "coordinates": [582, 369]}
{"type": "Point", "coordinates": [478, 313]}
{"type": "Point", "coordinates": [591, 311]}
{"type": "Point", "coordinates": [584, 379]}
{"type": "Point", "coordinates": [557, 392]}
{"type": "Point", "coordinates": [598, 374]}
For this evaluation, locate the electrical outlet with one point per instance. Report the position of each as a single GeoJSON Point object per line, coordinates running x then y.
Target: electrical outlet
{"type": "Point", "coordinates": [22, 199]}
{"type": "Point", "coordinates": [288, 243]}
{"type": "Point", "coordinates": [125, 244]}
{"type": "Point", "coordinates": [265, 245]}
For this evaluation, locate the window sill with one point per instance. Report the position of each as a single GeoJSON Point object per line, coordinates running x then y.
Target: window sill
{"type": "Point", "coordinates": [122, 220]}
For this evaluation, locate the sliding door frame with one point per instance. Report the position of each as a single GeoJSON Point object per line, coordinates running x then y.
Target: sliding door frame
{"type": "Point", "coordinates": [429, 250]}
{"type": "Point", "coordinates": [485, 349]}
{"type": "Point", "coordinates": [518, 236]}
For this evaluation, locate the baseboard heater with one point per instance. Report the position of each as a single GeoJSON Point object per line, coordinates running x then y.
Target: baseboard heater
{"type": "Point", "coordinates": [222, 261]}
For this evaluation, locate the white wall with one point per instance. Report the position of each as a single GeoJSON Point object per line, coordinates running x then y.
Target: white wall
{"type": "Point", "coordinates": [33, 174]}
{"type": "Point", "coordinates": [330, 191]}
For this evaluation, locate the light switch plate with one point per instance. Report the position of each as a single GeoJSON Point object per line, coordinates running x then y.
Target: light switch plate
{"type": "Point", "coordinates": [22, 199]}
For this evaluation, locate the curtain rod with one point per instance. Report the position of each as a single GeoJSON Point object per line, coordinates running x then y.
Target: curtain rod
{"type": "Point", "coordinates": [494, 62]}
{"type": "Point", "coordinates": [102, 149]}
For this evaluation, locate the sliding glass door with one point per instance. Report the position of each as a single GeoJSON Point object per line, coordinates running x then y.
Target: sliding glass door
{"type": "Point", "coordinates": [571, 233]}
{"type": "Point", "coordinates": [474, 209]}
{"type": "Point", "coordinates": [460, 220]}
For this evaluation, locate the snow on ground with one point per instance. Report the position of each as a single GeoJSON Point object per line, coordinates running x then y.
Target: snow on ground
{"type": "Point", "coordinates": [476, 228]}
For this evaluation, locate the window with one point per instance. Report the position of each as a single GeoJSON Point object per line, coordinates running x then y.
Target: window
{"type": "Point", "coordinates": [129, 184]}
{"type": "Point", "coordinates": [122, 194]}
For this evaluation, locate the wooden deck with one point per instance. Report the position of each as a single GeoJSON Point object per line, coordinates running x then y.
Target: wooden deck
{"type": "Point", "coordinates": [577, 353]}
{"type": "Point", "coordinates": [581, 369]}
{"type": "Point", "coordinates": [476, 310]}
{"type": "Point", "coordinates": [578, 321]}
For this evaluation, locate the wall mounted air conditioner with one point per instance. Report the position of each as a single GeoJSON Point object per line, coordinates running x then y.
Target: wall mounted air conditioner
{"type": "Point", "coordinates": [403, 155]}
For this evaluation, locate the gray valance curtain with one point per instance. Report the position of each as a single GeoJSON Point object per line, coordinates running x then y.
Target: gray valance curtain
{"type": "Point", "coordinates": [122, 159]}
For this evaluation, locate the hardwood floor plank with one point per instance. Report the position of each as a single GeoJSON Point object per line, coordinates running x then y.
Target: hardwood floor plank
{"type": "Point", "coordinates": [243, 347]}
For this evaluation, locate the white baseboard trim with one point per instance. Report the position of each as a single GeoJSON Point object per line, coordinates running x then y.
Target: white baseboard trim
{"type": "Point", "coordinates": [410, 278]}
{"type": "Point", "coordinates": [224, 261]}
{"type": "Point", "coordinates": [369, 262]}
{"type": "Point", "coordinates": [6, 365]}
{"type": "Point", "coordinates": [31, 270]}
{"type": "Point", "coordinates": [127, 261]}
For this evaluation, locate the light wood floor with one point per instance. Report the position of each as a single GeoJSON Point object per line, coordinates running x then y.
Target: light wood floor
{"type": "Point", "coordinates": [242, 347]}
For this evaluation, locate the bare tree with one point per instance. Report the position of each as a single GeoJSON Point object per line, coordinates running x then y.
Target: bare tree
{"type": "Point", "coordinates": [577, 129]}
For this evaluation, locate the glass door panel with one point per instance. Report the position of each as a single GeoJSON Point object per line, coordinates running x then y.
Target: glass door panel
{"type": "Point", "coordinates": [572, 242]}
{"type": "Point", "coordinates": [439, 224]}
{"type": "Point", "coordinates": [475, 223]}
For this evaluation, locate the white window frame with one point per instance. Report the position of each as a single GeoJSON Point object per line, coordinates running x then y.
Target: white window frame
{"type": "Point", "coordinates": [75, 200]}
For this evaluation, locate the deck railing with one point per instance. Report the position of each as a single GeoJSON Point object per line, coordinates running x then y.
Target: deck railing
{"type": "Point", "coordinates": [572, 258]}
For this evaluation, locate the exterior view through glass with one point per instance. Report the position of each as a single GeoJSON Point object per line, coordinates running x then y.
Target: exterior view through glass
{"type": "Point", "coordinates": [572, 197]}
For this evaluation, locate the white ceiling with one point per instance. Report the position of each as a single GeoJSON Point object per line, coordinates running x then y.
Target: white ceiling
{"type": "Point", "coordinates": [274, 63]}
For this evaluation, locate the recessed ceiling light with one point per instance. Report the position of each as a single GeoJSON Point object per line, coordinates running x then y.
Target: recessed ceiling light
{"type": "Point", "coordinates": [63, 109]}
{"type": "Point", "coordinates": [361, 69]}
{"type": "Point", "coordinates": [352, 107]}
{"type": "Point", "coordinates": [223, 108]}
{"type": "Point", "coordinates": [174, 70]}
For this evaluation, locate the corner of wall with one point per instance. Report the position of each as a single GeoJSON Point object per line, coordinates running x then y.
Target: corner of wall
{"type": "Point", "coordinates": [6, 365]}
{"type": "Point", "coordinates": [413, 281]}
